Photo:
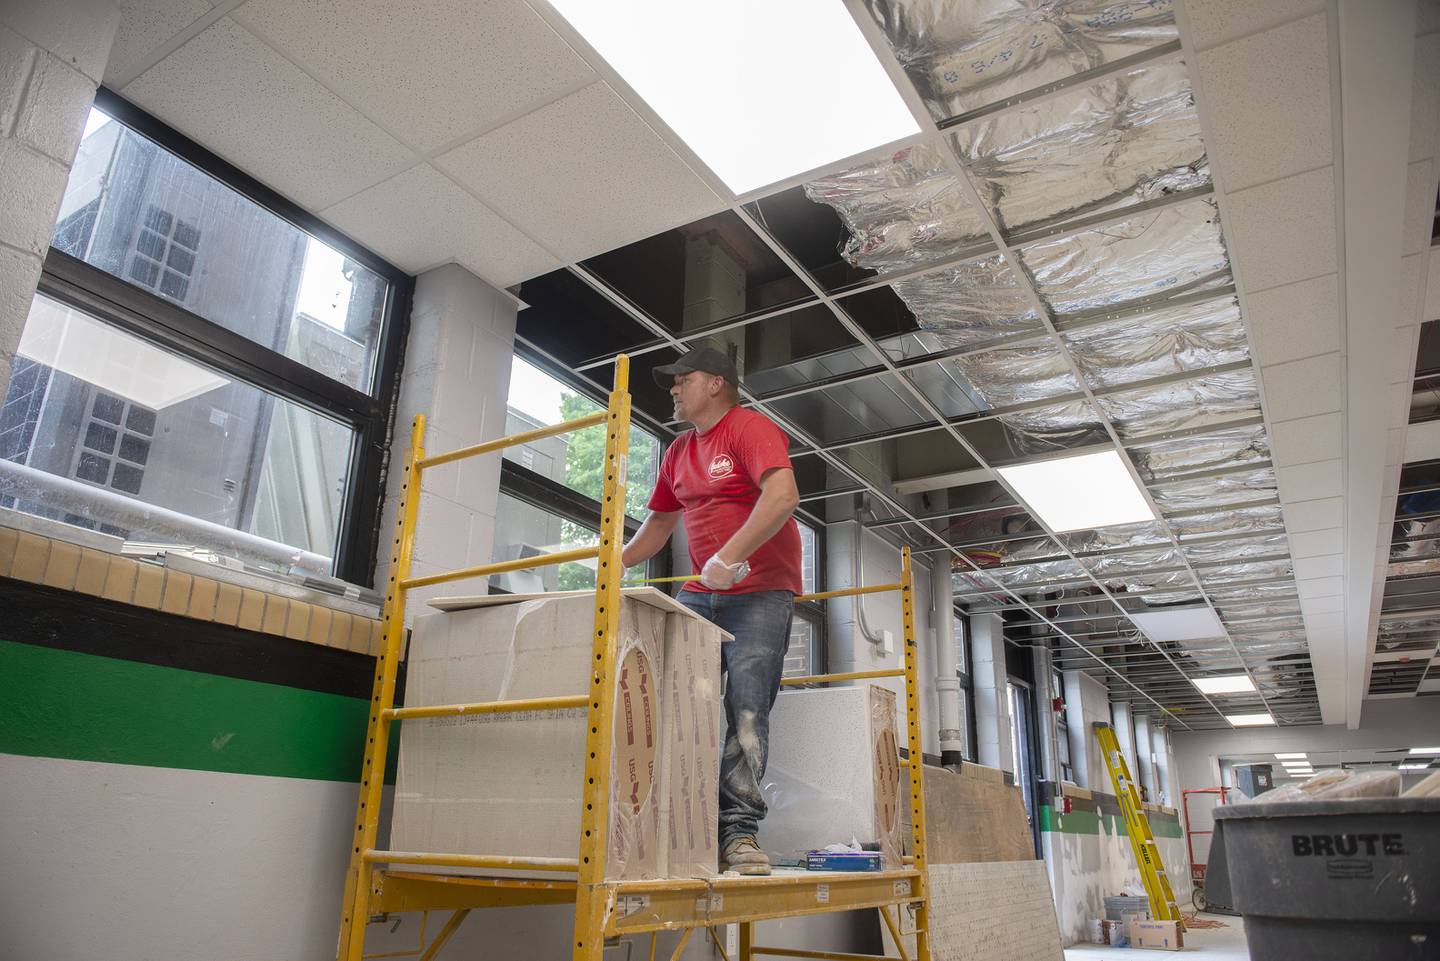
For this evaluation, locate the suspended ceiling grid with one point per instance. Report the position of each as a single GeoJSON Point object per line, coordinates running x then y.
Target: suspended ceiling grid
{"type": "Point", "coordinates": [993, 305]}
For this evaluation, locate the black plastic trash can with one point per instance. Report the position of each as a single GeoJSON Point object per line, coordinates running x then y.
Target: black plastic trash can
{"type": "Point", "coordinates": [1349, 880]}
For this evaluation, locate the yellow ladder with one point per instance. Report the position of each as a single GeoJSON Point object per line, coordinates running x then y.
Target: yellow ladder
{"type": "Point", "coordinates": [1137, 825]}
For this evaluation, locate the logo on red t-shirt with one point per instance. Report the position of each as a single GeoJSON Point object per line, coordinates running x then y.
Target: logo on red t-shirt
{"type": "Point", "coordinates": [721, 466]}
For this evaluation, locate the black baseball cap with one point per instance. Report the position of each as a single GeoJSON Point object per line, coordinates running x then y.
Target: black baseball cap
{"type": "Point", "coordinates": [708, 359]}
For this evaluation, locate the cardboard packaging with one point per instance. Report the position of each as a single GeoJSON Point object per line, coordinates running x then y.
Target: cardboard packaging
{"type": "Point", "coordinates": [834, 773]}
{"type": "Point", "coordinates": [692, 724]}
{"type": "Point", "coordinates": [509, 784]}
{"type": "Point", "coordinates": [1157, 935]}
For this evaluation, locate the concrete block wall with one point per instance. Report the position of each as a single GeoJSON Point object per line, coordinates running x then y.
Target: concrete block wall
{"type": "Point", "coordinates": [52, 55]}
{"type": "Point", "coordinates": [456, 373]}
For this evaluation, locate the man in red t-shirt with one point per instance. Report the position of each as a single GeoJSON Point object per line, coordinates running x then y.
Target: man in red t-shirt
{"type": "Point", "coordinates": [731, 478]}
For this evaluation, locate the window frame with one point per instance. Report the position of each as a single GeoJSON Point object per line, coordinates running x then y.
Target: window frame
{"type": "Point", "coordinates": [813, 612]}
{"type": "Point", "coordinates": [147, 314]}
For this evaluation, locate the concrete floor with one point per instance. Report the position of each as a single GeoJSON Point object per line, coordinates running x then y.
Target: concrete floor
{"type": "Point", "coordinates": [1210, 944]}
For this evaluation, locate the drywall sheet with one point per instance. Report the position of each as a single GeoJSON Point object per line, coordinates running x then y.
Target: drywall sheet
{"type": "Point", "coordinates": [972, 816]}
{"type": "Point", "coordinates": [834, 772]}
{"type": "Point", "coordinates": [995, 911]}
{"type": "Point", "coordinates": [510, 784]}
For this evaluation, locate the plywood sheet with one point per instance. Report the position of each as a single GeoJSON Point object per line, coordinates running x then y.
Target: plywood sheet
{"type": "Point", "coordinates": [974, 816]}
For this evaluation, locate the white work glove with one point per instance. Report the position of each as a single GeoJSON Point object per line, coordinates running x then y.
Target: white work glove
{"type": "Point", "coordinates": [719, 576]}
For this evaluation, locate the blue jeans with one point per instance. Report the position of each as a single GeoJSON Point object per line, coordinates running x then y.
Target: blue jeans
{"type": "Point", "coordinates": [753, 663]}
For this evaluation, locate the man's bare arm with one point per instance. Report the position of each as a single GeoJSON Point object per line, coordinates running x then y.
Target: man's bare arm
{"type": "Point", "coordinates": [650, 538]}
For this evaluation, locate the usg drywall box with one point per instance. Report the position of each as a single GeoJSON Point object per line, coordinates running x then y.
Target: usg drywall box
{"type": "Point", "coordinates": [834, 772]}
{"type": "Point", "coordinates": [692, 725]}
{"type": "Point", "coordinates": [509, 784]}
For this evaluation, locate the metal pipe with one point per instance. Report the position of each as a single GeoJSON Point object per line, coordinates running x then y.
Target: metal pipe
{"type": "Point", "coordinates": [471, 861]}
{"type": "Point", "coordinates": [515, 440]}
{"type": "Point", "coordinates": [151, 520]}
{"type": "Point", "coordinates": [503, 567]}
{"type": "Point", "coordinates": [849, 592]}
{"type": "Point", "coordinates": [846, 676]}
{"type": "Point", "coordinates": [947, 664]}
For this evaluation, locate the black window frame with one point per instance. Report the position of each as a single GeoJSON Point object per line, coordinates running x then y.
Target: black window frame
{"type": "Point", "coordinates": [160, 321]}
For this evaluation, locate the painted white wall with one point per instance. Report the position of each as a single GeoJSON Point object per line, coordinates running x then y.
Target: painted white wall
{"type": "Point", "coordinates": [53, 55]}
{"type": "Point", "coordinates": [456, 373]}
{"type": "Point", "coordinates": [992, 701]}
{"type": "Point", "coordinates": [1086, 702]}
{"type": "Point", "coordinates": [1388, 723]}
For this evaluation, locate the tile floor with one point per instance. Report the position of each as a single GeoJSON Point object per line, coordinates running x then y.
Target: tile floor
{"type": "Point", "coordinates": [1201, 944]}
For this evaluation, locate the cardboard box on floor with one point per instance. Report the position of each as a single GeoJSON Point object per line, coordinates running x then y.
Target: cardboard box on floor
{"type": "Point", "coordinates": [1157, 935]}
{"type": "Point", "coordinates": [510, 784]}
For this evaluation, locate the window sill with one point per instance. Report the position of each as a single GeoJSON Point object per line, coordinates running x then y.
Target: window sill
{"type": "Point", "coordinates": [89, 563]}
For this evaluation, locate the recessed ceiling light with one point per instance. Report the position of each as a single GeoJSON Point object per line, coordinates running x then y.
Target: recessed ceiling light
{"type": "Point", "coordinates": [1414, 767]}
{"type": "Point", "coordinates": [1184, 624]}
{"type": "Point", "coordinates": [1080, 493]}
{"type": "Point", "coordinates": [1425, 750]}
{"type": "Point", "coordinates": [1224, 684]}
{"type": "Point", "coordinates": [738, 81]}
{"type": "Point", "coordinates": [1249, 720]}
{"type": "Point", "coordinates": [1295, 763]}
{"type": "Point", "coordinates": [1292, 757]}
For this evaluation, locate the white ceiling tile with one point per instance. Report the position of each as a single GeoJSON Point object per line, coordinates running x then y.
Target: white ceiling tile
{"type": "Point", "coordinates": [430, 75]}
{"type": "Point", "coordinates": [144, 26]}
{"type": "Point", "coordinates": [1424, 118]}
{"type": "Point", "coordinates": [1317, 621]}
{"type": "Point", "coordinates": [421, 218]}
{"type": "Point", "coordinates": [1207, 23]}
{"type": "Point", "coordinates": [1323, 605]}
{"type": "Point", "coordinates": [78, 32]}
{"type": "Point", "coordinates": [1315, 543]}
{"type": "Point", "coordinates": [1419, 205]}
{"type": "Point", "coordinates": [1308, 482]}
{"type": "Point", "coordinates": [1302, 516]}
{"type": "Point", "coordinates": [1268, 100]}
{"type": "Point", "coordinates": [1302, 388]}
{"type": "Point", "coordinates": [1328, 565]}
{"type": "Point", "coordinates": [232, 93]}
{"type": "Point", "coordinates": [1422, 441]}
{"type": "Point", "coordinates": [582, 176]}
{"type": "Point", "coordinates": [1320, 587]}
{"type": "Point", "coordinates": [1307, 439]}
{"type": "Point", "coordinates": [1295, 321]}
{"type": "Point", "coordinates": [1284, 231]}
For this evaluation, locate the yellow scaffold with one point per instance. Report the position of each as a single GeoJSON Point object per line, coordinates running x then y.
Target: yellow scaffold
{"type": "Point", "coordinates": [377, 883]}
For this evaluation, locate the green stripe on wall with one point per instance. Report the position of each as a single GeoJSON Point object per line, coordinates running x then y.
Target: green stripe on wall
{"type": "Point", "coordinates": [1091, 822]}
{"type": "Point", "coordinates": [89, 708]}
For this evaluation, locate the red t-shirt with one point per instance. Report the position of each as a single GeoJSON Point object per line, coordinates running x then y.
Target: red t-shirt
{"type": "Point", "coordinates": [714, 478]}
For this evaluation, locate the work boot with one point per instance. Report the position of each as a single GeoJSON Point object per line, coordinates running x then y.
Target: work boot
{"type": "Point", "coordinates": [743, 856]}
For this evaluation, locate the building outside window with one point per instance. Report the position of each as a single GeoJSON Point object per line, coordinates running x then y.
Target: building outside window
{"type": "Point", "coordinates": [807, 630]}
{"type": "Point", "coordinates": [194, 362]}
{"type": "Point", "coordinates": [967, 689]}
{"type": "Point", "coordinates": [1062, 730]}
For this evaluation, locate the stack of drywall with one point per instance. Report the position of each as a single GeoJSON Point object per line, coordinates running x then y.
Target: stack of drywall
{"type": "Point", "coordinates": [834, 772]}
{"type": "Point", "coordinates": [692, 724]}
{"type": "Point", "coordinates": [509, 784]}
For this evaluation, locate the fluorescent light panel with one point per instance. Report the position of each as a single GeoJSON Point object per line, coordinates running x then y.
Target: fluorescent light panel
{"type": "Point", "coordinates": [1425, 750]}
{"type": "Point", "coordinates": [1414, 767]}
{"type": "Point", "coordinates": [760, 91]}
{"type": "Point", "coordinates": [1080, 493]}
{"type": "Point", "coordinates": [1292, 757]}
{"type": "Point", "coordinates": [1224, 684]}
{"type": "Point", "coordinates": [1249, 720]}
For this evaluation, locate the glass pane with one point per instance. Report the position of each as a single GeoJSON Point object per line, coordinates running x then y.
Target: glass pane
{"type": "Point", "coordinates": [523, 529]}
{"type": "Point", "coordinates": [704, 273]}
{"type": "Point", "coordinates": [137, 211]}
{"type": "Point", "coordinates": [576, 459]}
{"type": "Point", "coordinates": [809, 559]}
{"type": "Point", "coordinates": [190, 441]}
{"type": "Point", "coordinates": [799, 654]}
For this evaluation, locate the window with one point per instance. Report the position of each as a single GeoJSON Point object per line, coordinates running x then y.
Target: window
{"type": "Point", "coordinates": [128, 417]}
{"type": "Point", "coordinates": [140, 212]}
{"type": "Point", "coordinates": [967, 689]}
{"type": "Point", "coordinates": [574, 460]}
{"type": "Point", "coordinates": [204, 364]}
{"type": "Point", "coordinates": [803, 656]}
